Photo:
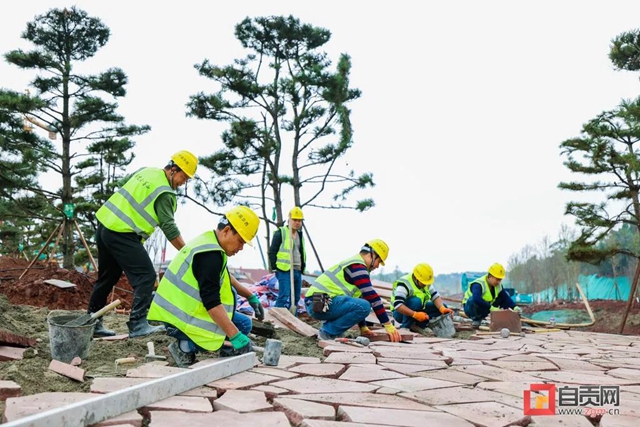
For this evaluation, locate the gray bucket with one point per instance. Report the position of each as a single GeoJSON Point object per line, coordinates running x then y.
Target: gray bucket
{"type": "Point", "coordinates": [67, 342]}
{"type": "Point", "coordinates": [442, 326]}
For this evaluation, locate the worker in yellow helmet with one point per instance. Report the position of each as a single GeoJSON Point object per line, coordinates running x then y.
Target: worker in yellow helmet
{"type": "Point", "coordinates": [486, 294]}
{"type": "Point", "coordinates": [343, 296]}
{"type": "Point", "coordinates": [280, 262]}
{"type": "Point", "coordinates": [415, 300]}
{"type": "Point", "coordinates": [147, 200]}
{"type": "Point", "coordinates": [195, 297]}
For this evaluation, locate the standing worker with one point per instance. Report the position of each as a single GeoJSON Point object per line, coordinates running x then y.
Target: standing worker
{"type": "Point", "coordinates": [486, 294]}
{"type": "Point", "coordinates": [343, 296]}
{"type": "Point", "coordinates": [146, 201]}
{"type": "Point", "coordinates": [195, 297]}
{"type": "Point", "coordinates": [280, 262]}
{"type": "Point", "coordinates": [414, 300]}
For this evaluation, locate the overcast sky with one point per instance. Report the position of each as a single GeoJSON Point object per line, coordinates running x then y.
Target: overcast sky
{"type": "Point", "coordinates": [464, 105]}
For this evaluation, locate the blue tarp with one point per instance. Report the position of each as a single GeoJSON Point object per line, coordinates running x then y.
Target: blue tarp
{"type": "Point", "coordinates": [594, 287]}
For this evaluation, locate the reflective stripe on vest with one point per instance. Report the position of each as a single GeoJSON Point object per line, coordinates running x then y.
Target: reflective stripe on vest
{"type": "Point", "coordinates": [486, 292]}
{"type": "Point", "coordinates": [423, 294]}
{"type": "Point", "coordinates": [177, 300]}
{"type": "Point", "coordinates": [131, 208]}
{"type": "Point", "coordinates": [332, 281]}
{"type": "Point", "coordinates": [283, 262]}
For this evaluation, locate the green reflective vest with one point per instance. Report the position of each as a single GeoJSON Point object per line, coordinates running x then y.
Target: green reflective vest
{"type": "Point", "coordinates": [414, 290]}
{"type": "Point", "coordinates": [130, 209]}
{"type": "Point", "coordinates": [332, 281]}
{"type": "Point", "coordinates": [177, 300]}
{"type": "Point", "coordinates": [486, 292]}
{"type": "Point", "coordinates": [283, 262]}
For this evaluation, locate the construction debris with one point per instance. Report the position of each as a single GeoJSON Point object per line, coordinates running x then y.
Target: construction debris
{"type": "Point", "coordinates": [67, 370]}
{"type": "Point", "coordinates": [15, 340]}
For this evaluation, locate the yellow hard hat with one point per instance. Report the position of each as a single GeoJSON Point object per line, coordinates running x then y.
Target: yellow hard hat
{"type": "Point", "coordinates": [497, 271]}
{"type": "Point", "coordinates": [296, 213]}
{"type": "Point", "coordinates": [245, 221]}
{"type": "Point", "coordinates": [381, 248]}
{"type": "Point", "coordinates": [424, 273]}
{"type": "Point", "coordinates": [186, 161]}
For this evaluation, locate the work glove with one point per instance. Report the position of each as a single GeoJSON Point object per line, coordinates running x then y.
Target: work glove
{"type": "Point", "coordinates": [240, 341]}
{"type": "Point", "coordinates": [255, 303]}
{"type": "Point", "coordinates": [445, 310]}
{"type": "Point", "coordinates": [420, 316]}
{"type": "Point", "coordinates": [365, 331]}
{"type": "Point", "coordinates": [517, 310]}
{"type": "Point", "coordinates": [394, 335]}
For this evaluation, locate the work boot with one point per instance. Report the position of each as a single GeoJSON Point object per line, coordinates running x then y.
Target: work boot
{"type": "Point", "coordinates": [101, 331]}
{"type": "Point", "coordinates": [324, 335]}
{"type": "Point", "coordinates": [183, 359]}
{"type": "Point", "coordinates": [229, 351]}
{"type": "Point", "coordinates": [141, 327]}
{"type": "Point", "coordinates": [476, 323]}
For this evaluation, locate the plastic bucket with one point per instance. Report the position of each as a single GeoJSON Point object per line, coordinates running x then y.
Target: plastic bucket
{"type": "Point", "coordinates": [442, 326]}
{"type": "Point", "coordinates": [67, 342]}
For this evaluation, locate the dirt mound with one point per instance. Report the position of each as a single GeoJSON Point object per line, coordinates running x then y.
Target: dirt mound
{"type": "Point", "coordinates": [31, 289]}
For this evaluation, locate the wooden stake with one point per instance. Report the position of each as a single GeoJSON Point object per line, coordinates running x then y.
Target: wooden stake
{"type": "Point", "coordinates": [41, 250]}
{"type": "Point", "coordinates": [294, 305]}
{"type": "Point", "coordinates": [632, 294]}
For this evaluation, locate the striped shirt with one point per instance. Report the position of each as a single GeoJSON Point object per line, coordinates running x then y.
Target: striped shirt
{"type": "Point", "coordinates": [401, 292]}
{"type": "Point", "coordinates": [357, 275]}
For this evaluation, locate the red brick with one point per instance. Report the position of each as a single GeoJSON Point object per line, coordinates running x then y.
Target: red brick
{"type": "Point", "coordinates": [8, 389]}
{"type": "Point", "coordinates": [67, 370]}
{"type": "Point", "coordinates": [11, 353]}
{"type": "Point", "coordinates": [9, 338]}
{"type": "Point", "coordinates": [505, 319]}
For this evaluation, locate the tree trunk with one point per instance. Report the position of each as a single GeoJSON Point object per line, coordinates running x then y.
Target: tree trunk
{"type": "Point", "coordinates": [632, 294]}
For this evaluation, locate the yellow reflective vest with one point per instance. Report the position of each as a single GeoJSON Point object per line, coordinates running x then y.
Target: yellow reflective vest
{"type": "Point", "coordinates": [283, 263]}
{"type": "Point", "coordinates": [177, 300]}
{"type": "Point", "coordinates": [332, 281]}
{"type": "Point", "coordinates": [414, 290]}
{"type": "Point", "coordinates": [486, 292]}
{"type": "Point", "coordinates": [130, 209]}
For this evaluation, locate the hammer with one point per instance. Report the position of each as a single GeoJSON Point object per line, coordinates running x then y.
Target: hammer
{"type": "Point", "coordinates": [151, 356]}
{"type": "Point", "coordinates": [361, 341]}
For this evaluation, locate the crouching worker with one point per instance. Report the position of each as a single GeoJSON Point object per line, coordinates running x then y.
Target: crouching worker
{"type": "Point", "coordinates": [195, 299]}
{"type": "Point", "coordinates": [343, 296]}
{"type": "Point", "coordinates": [414, 300]}
{"type": "Point", "coordinates": [486, 294]}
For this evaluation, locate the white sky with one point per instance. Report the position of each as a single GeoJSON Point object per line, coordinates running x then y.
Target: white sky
{"type": "Point", "coordinates": [464, 105]}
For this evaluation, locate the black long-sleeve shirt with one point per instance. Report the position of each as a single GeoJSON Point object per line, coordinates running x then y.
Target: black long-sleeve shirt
{"type": "Point", "coordinates": [207, 268]}
{"type": "Point", "coordinates": [276, 241]}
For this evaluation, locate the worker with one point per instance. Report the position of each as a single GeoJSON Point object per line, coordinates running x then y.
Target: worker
{"type": "Point", "coordinates": [146, 201]}
{"type": "Point", "coordinates": [414, 300]}
{"type": "Point", "coordinates": [343, 296]}
{"type": "Point", "coordinates": [486, 294]}
{"type": "Point", "coordinates": [280, 259]}
{"type": "Point", "coordinates": [195, 299]}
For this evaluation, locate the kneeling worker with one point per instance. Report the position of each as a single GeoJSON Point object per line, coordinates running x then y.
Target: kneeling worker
{"type": "Point", "coordinates": [343, 296]}
{"type": "Point", "coordinates": [486, 294]}
{"type": "Point", "coordinates": [195, 299]}
{"type": "Point", "coordinates": [414, 300]}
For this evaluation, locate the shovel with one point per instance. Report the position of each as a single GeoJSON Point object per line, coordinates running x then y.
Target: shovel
{"type": "Point", "coordinates": [88, 317]}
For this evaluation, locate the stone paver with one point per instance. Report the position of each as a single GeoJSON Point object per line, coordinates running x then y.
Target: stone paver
{"type": "Point", "coordinates": [456, 395]}
{"type": "Point", "coordinates": [365, 375]}
{"type": "Point", "coordinates": [280, 373]}
{"type": "Point", "coordinates": [242, 380]}
{"type": "Point", "coordinates": [486, 413]}
{"type": "Point", "coordinates": [493, 373]}
{"type": "Point", "coordinates": [318, 369]}
{"type": "Point", "coordinates": [394, 417]}
{"type": "Point", "coordinates": [560, 421]}
{"type": "Point", "coordinates": [297, 410]}
{"type": "Point", "coordinates": [343, 347]}
{"type": "Point", "coordinates": [271, 389]}
{"type": "Point", "coordinates": [11, 353]}
{"type": "Point", "coordinates": [218, 418]}
{"type": "Point", "coordinates": [409, 353]}
{"type": "Point", "coordinates": [341, 357]}
{"type": "Point", "coordinates": [324, 423]}
{"type": "Point", "coordinates": [572, 364]}
{"type": "Point", "coordinates": [571, 377]}
{"type": "Point", "coordinates": [618, 421]}
{"type": "Point", "coordinates": [415, 384]}
{"type": "Point", "coordinates": [387, 390]}
{"type": "Point", "coordinates": [432, 363]}
{"type": "Point", "coordinates": [522, 366]}
{"type": "Point", "coordinates": [625, 373]}
{"type": "Point", "coordinates": [451, 375]}
{"type": "Point", "coordinates": [324, 385]}
{"type": "Point", "coordinates": [209, 393]}
{"type": "Point", "coordinates": [364, 399]}
{"type": "Point", "coordinates": [241, 401]}
{"type": "Point", "coordinates": [108, 385]}
{"type": "Point", "coordinates": [409, 369]}
{"type": "Point", "coordinates": [458, 361]}
{"type": "Point", "coordinates": [476, 355]}
{"type": "Point", "coordinates": [287, 361]}
{"type": "Point", "coordinates": [182, 403]}
{"type": "Point", "coordinates": [9, 389]}
{"type": "Point", "coordinates": [513, 388]}
{"type": "Point", "coordinates": [151, 370]}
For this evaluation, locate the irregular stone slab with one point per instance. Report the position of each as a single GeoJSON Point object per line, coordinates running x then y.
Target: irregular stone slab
{"type": "Point", "coordinates": [387, 390]}
{"type": "Point", "coordinates": [411, 353]}
{"type": "Point", "coordinates": [625, 373]}
{"type": "Point", "coordinates": [152, 370]}
{"type": "Point", "coordinates": [280, 373]}
{"type": "Point", "coordinates": [242, 380]}
{"type": "Point", "coordinates": [561, 421]}
{"type": "Point", "coordinates": [513, 388]}
{"type": "Point", "coordinates": [434, 363]}
{"type": "Point", "coordinates": [288, 361]}
{"type": "Point", "coordinates": [271, 390]}
{"type": "Point", "coordinates": [11, 353]}
{"type": "Point", "coordinates": [476, 355]}
{"type": "Point", "coordinates": [108, 385]}
{"type": "Point", "coordinates": [572, 364]}
{"type": "Point", "coordinates": [394, 417]}
{"type": "Point", "coordinates": [344, 347]}
{"type": "Point", "coordinates": [458, 361]}
{"type": "Point", "coordinates": [570, 377]}
{"type": "Point", "coordinates": [318, 369]}
{"type": "Point", "coordinates": [209, 393]}
{"type": "Point", "coordinates": [20, 407]}
{"type": "Point", "coordinates": [522, 358]}
{"type": "Point", "coordinates": [324, 385]}
{"type": "Point", "coordinates": [297, 410]}
{"type": "Point", "coordinates": [9, 389]}
{"type": "Point", "coordinates": [218, 418]}
{"type": "Point", "coordinates": [522, 366]}
{"type": "Point", "coordinates": [342, 357]}
{"type": "Point", "coordinates": [456, 395]}
{"type": "Point", "coordinates": [182, 403]}
{"type": "Point", "coordinates": [369, 400]}
{"type": "Point", "coordinates": [409, 369]}
{"type": "Point", "coordinates": [241, 401]}
{"type": "Point", "coordinates": [486, 413]}
{"type": "Point", "coordinates": [618, 421]}
{"type": "Point", "coordinates": [451, 375]}
{"type": "Point", "coordinates": [415, 384]}
{"type": "Point", "coordinates": [365, 375]}
{"type": "Point", "coordinates": [367, 366]}
{"type": "Point", "coordinates": [324, 423]}
{"type": "Point", "coordinates": [492, 373]}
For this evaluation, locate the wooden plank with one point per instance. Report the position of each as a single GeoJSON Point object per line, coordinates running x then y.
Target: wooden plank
{"type": "Point", "coordinates": [291, 322]}
{"type": "Point", "coordinates": [110, 405]}
{"type": "Point", "coordinates": [62, 284]}
{"type": "Point", "coordinates": [11, 339]}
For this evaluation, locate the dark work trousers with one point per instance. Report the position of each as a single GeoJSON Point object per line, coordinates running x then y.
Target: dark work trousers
{"type": "Point", "coordinates": [118, 252]}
